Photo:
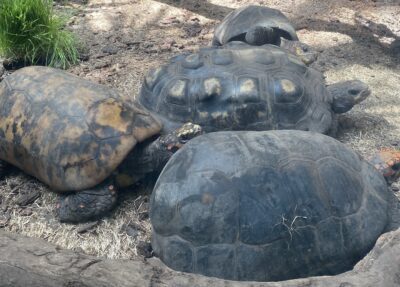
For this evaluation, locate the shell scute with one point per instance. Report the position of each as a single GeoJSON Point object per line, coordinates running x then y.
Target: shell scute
{"type": "Point", "coordinates": [240, 87]}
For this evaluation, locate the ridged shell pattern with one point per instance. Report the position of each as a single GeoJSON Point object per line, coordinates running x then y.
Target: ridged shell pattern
{"type": "Point", "coordinates": [267, 206]}
{"type": "Point", "coordinates": [239, 87]}
{"type": "Point", "coordinates": [66, 131]}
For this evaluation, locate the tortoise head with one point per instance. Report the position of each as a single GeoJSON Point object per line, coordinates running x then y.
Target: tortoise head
{"type": "Point", "coordinates": [260, 35]}
{"type": "Point", "coordinates": [346, 94]}
{"type": "Point", "coordinates": [387, 161]}
{"type": "Point", "coordinates": [306, 53]}
{"type": "Point", "coordinates": [175, 140]}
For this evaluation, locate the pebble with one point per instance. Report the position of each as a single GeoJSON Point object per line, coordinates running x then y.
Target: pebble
{"type": "Point", "coordinates": [26, 212]}
{"type": "Point", "coordinates": [87, 227]}
{"type": "Point", "coordinates": [84, 56]}
{"type": "Point", "coordinates": [27, 198]}
{"type": "Point", "coordinates": [4, 218]}
{"type": "Point", "coordinates": [145, 249]}
{"type": "Point", "coordinates": [100, 65]}
{"type": "Point", "coordinates": [133, 230]}
{"type": "Point", "coordinates": [111, 50]}
{"type": "Point", "coordinates": [165, 48]}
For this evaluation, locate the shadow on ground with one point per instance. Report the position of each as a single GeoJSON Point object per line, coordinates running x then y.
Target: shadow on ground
{"type": "Point", "coordinates": [357, 32]}
{"type": "Point", "coordinates": [204, 8]}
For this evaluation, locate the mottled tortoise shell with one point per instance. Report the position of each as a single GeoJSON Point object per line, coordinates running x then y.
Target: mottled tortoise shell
{"type": "Point", "coordinates": [66, 131]}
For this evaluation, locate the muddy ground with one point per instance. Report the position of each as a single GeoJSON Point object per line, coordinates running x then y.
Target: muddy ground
{"type": "Point", "coordinates": [358, 39]}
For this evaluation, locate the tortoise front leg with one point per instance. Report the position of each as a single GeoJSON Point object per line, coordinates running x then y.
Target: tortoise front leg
{"type": "Point", "coordinates": [89, 204]}
{"type": "Point", "coordinates": [148, 159]}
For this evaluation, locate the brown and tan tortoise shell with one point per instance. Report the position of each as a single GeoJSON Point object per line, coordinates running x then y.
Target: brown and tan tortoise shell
{"type": "Point", "coordinates": [66, 131]}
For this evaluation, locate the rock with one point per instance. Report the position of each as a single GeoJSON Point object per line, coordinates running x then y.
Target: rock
{"type": "Point", "coordinates": [192, 30]}
{"type": "Point", "coordinates": [165, 48]}
{"type": "Point", "coordinates": [111, 50]}
{"type": "Point", "coordinates": [28, 197]}
{"type": "Point", "coordinates": [84, 56]}
{"type": "Point", "coordinates": [37, 263]}
{"type": "Point", "coordinates": [144, 248]}
{"type": "Point", "coordinates": [132, 229]}
{"type": "Point", "coordinates": [4, 218]}
{"type": "Point", "coordinates": [26, 212]}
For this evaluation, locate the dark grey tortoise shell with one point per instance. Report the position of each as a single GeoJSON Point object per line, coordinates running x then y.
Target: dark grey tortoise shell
{"type": "Point", "coordinates": [237, 23]}
{"type": "Point", "coordinates": [267, 206]}
{"type": "Point", "coordinates": [239, 87]}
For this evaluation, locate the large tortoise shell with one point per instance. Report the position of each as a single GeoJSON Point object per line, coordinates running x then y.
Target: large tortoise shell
{"type": "Point", "coordinates": [66, 131]}
{"type": "Point", "coordinates": [237, 23]}
{"type": "Point", "coordinates": [239, 87]}
{"type": "Point", "coordinates": [267, 206]}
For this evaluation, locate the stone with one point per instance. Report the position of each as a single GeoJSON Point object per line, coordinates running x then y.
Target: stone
{"type": "Point", "coordinates": [37, 263]}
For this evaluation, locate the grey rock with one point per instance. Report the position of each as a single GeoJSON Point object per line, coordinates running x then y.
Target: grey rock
{"type": "Point", "coordinates": [37, 263]}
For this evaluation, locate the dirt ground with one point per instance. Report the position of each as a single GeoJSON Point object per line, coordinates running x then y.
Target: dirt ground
{"type": "Point", "coordinates": [358, 39]}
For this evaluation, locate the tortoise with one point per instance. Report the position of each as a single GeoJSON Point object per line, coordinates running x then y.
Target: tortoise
{"type": "Point", "coordinates": [244, 87]}
{"type": "Point", "coordinates": [267, 206]}
{"type": "Point", "coordinates": [259, 25]}
{"type": "Point", "coordinates": [74, 135]}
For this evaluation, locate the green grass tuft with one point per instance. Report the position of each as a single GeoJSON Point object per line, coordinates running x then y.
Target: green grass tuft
{"type": "Point", "coordinates": [31, 33]}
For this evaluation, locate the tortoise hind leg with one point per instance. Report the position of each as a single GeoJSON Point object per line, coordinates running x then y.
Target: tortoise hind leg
{"type": "Point", "coordinates": [85, 205]}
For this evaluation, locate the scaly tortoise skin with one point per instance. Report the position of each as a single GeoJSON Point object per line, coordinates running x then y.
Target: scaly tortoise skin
{"type": "Point", "coordinates": [73, 134]}
{"type": "Point", "coordinates": [243, 87]}
{"type": "Point", "coordinates": [258, 25]}
{"type": "Point", "coordinates": [267, 206]}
